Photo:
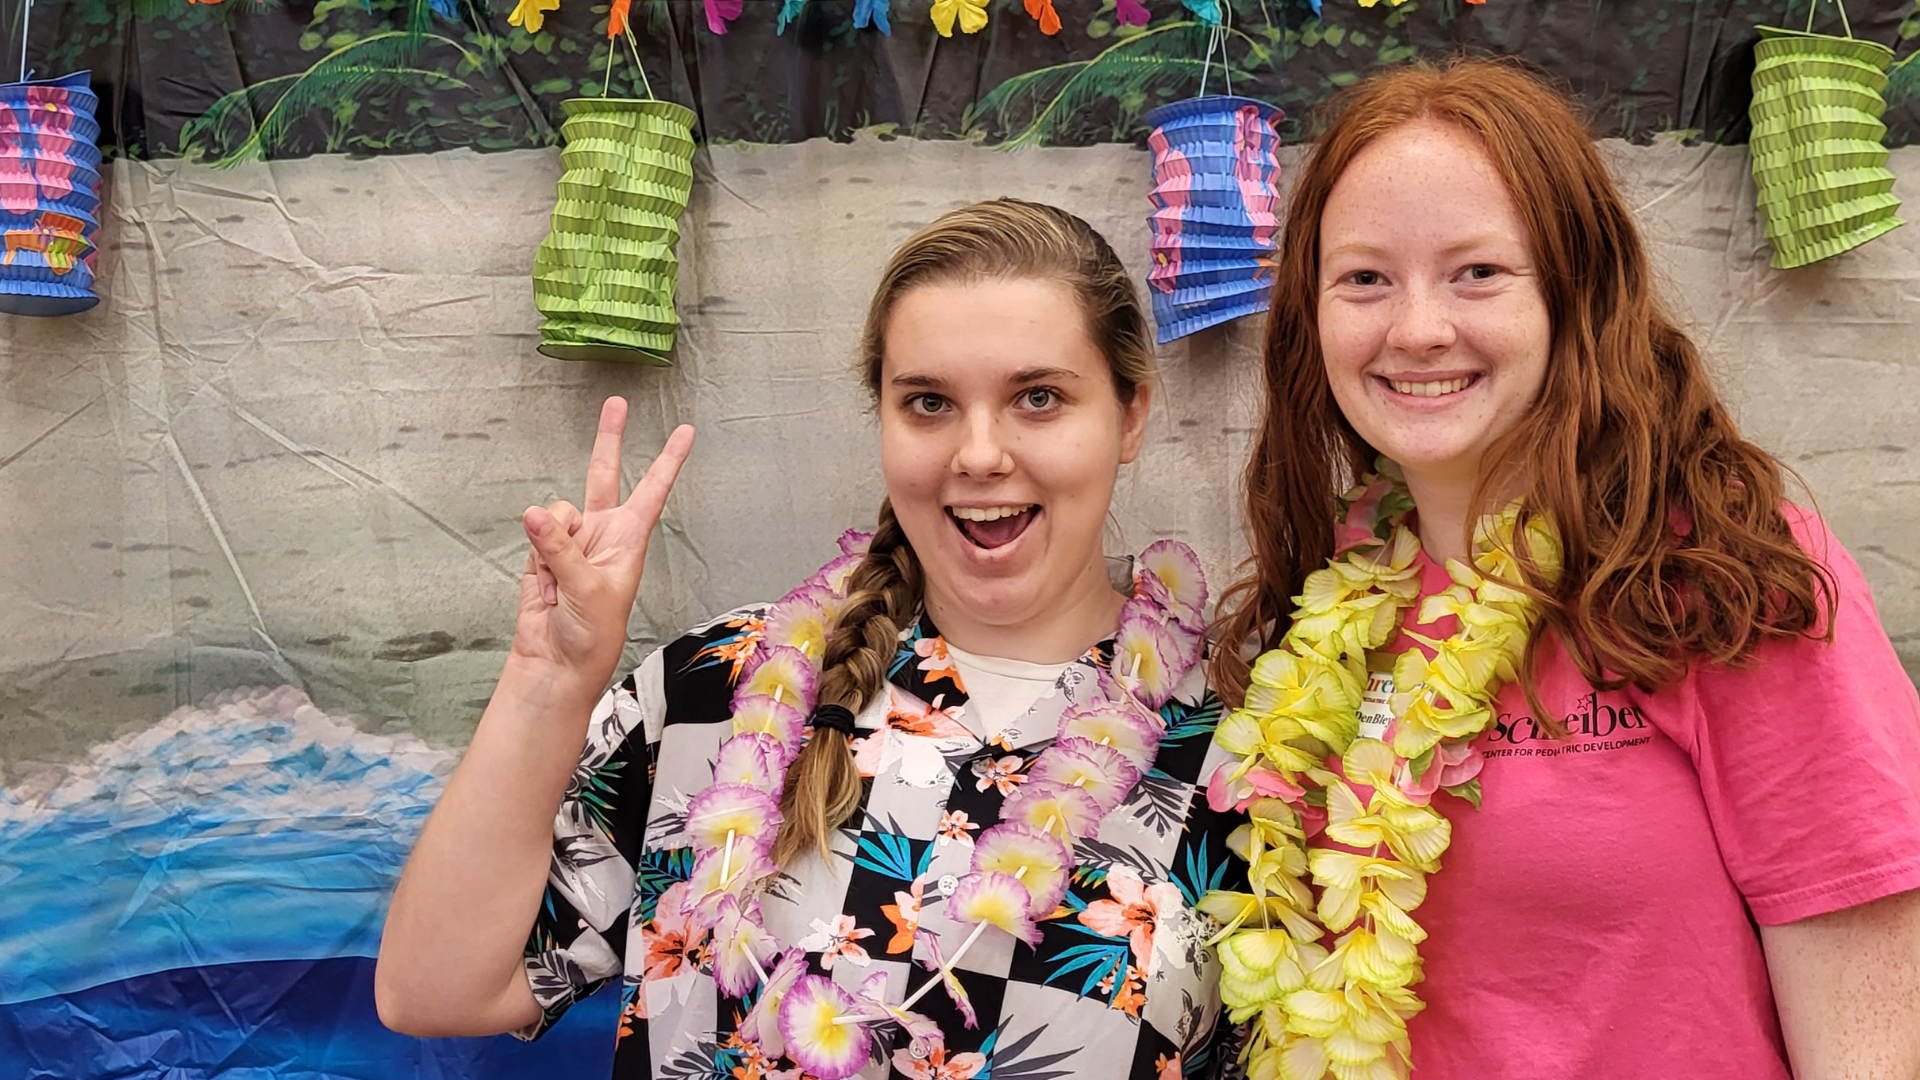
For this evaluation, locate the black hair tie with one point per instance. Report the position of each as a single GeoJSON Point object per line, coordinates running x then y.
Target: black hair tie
{"type": "Point", "coordinates": [837, 717]}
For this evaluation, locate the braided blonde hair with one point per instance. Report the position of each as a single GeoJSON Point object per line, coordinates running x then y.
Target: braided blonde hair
{"type": "Point", "coordinates": [1004, 238]}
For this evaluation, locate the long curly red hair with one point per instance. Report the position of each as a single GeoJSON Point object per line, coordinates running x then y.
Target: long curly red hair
{"type": "Point", "coordinates": [1676, 545]}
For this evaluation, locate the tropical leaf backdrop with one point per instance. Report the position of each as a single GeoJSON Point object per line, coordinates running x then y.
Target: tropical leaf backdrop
{"type": "Point", "coordinates": [280, 78]}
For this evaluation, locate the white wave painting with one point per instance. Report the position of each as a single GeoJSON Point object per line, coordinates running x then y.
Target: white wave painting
{"type": "Point", "coordinates": [253, 826]}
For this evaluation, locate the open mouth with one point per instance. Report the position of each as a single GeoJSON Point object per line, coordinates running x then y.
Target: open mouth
{"type": "Point", "coordinates": [1430, 388]}
{"type": "Point", "coordinates": [990, 527]}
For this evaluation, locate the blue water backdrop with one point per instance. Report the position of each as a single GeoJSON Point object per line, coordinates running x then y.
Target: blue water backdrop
{"type": "Point", "coordinates": [201, 899]}
{"type": "Point", "coordinates": [276, 1020]}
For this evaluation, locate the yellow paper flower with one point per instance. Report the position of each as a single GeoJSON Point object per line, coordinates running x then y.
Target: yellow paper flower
{"type": "Point", "coordinates": [532, 14]}
{"type": "Point", "coordinates": [971, 14]}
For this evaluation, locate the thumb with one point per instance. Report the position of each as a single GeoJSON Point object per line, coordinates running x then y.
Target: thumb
{"type": "Point", "coordinates": [557, 549]}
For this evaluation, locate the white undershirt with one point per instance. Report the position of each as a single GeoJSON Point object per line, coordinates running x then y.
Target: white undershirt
{"type": "Point", "coordinates": [1000, 691]}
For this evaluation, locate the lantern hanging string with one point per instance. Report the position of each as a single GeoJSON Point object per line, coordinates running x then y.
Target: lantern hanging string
{"type": "Point", "coordinates": [26, 23]}
{"type": "Point", "coordinates": [634, 47]}
{"type": "Point", "coordinates": [1217, 39]}
{"type": "Point", "coordinates": [1814, 7]}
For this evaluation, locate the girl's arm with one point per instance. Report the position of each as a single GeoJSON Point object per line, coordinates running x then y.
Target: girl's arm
{"type": "Point", "coordinates": [1847, 985]}
{"type": "Point", "coordinates": [450, 957]}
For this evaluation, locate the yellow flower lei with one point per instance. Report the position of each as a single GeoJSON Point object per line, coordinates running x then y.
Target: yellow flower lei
{"type": "Point", "coordinates": [1329, 977]}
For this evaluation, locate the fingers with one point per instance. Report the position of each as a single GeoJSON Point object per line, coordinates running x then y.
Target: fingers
{"type": "Point", "coordinates": [557, 557]}
{"type": "Point", "coordinates": [603, 469]}
{"type": "Point", "coordinates": [650, 494]}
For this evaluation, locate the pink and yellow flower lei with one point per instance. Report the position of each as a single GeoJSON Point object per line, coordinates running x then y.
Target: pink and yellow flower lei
{"type": "Point", "coordinates": [1324, 951]}
{"type": "Point", "coordinates": [1020, 866]}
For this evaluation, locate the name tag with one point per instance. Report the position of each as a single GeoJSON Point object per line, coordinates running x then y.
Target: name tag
{"type": "Point", "coordinates": [1376, 708]}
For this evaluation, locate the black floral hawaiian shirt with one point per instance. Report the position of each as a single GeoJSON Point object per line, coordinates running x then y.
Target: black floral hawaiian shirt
{"type": "Point", "coordinates": [1123, 982]}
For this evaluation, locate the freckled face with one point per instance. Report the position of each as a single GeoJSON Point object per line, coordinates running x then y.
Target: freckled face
{"type": "Point", "coordinates": [1001, 436]}
{"type": "Point", "coordinates": [1433, 328]}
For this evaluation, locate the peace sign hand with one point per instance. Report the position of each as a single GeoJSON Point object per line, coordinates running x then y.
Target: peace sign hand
{"type": "Point", "coordinates": [584, 568]}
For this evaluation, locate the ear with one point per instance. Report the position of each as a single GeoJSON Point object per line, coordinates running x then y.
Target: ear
{"type": "Point", "coordinates": [1133, 422]}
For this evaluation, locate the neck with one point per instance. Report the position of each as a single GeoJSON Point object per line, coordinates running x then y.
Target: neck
{"type": "Point", "coordinates": [1444, 502]}
{"type": "Point", "coordinates": [1059, 631]}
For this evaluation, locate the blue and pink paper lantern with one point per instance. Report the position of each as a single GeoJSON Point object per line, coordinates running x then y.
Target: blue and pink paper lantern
{"type": "Point", "coordinates": [1216, 211]}
{"type": "Point", "coordinates": [49, 195]}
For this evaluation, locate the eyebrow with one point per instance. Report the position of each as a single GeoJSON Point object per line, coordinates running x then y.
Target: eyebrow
{"type": "Point", "coordinates": [1019, 378]}
{"type": "Point", "coordinates": [1485, 239]}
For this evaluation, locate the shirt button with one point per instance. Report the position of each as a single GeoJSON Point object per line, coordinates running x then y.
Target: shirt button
{"type": "Point", "coordinates": [948, 883]}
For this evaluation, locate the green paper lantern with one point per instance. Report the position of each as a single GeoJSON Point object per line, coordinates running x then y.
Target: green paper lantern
{"type": "Point", "coordinates": [604, 277]}
{"type": "Point", "coordinates": [1819, 166]}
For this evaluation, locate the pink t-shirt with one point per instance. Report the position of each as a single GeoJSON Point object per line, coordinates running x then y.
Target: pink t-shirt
{"type": "Point", "coordinates": [1596, 917]}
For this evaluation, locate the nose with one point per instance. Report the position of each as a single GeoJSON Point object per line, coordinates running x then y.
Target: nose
{"type": "Point", "coordinates": [981, 454]}
{"type": "Point", "coordinates": [1422, 323]}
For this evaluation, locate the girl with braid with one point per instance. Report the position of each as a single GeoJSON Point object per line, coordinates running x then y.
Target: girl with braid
{"type": "Point", "coordinates": [937, 813]}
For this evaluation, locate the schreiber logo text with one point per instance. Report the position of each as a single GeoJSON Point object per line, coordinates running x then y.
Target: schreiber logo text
{"type": "Point", "coordinates": [1596, 725]}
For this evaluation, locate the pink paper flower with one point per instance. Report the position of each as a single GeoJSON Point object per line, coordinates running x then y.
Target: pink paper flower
{"type": "Point", "coordinates": [1147, 658]}
{"type": "Point", "coordinates": [930, 944]}
{"type": "Point", "coordinates": [1123, 729]}
{"type": "Point", "coordinates": [921, 1030]}
{"type": "Point", "coordinates": [1051, 807]}
{"type": "Point", "coordinates": [1453, 763]}
{"type": "Point", "coordinates": [756, 759]}
{"type": "Point", "coordinates": [834, 577]}
{"type": "Point", "coordinates": [1101, 771]}
{"type": "Point", "coordinates": [1235, 784]}
{"type": "Point", "coordinates": [1037, 861]}
{"type": "Point", "coordinates": [762, 1024]}
{"type": "Point", "coordinates": [1176, 576]}
{"type": "Point", "coordinates": [739, 812]}
{"type": "Point", "coordinates": [997, 900]}
{"type": "Point", "coordinates": [827, 1050]}
{"type": "Point", "coordinates": [1362, 514]}
{"type": "Point", "coordinates": [786, 670]}
{"type": "Point", "coordinates": [722, 12]}
{"type": "Point", "coordinates": [800, 621]}
{"type": "Point", "coordinates": [781, 719]}
{"type": "Point", "coordinates": [1132, 12]}
{"type": "Point", "coordinates": [705, 888]}
{"type": "Point", "coordinates": [854, 542]}
{"type": "Point", "coordinates": [741, 949]}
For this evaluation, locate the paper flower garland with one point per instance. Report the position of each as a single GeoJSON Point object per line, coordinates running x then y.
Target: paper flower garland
{"type": "Point", "coordinates": [1020, 867]}
{"type": "Point", "coordinates": [1819, 166]}
{"type": "Point", "coordinates": [1216, 211]}
{"type": "Point", "coordinates": [49, 195]}
{"type": "Point", "coordinates": [1330, 980]}
{"type": "Point", "coordinates": [606, 274]}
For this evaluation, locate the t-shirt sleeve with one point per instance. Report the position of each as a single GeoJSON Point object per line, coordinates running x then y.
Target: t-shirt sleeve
{"type": "Point", "coordinates": [578, 943]}
{"type": "Point", "coordinates": [1810, 760]}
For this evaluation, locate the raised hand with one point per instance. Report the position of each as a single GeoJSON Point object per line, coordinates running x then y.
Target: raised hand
{"type": "Point", "coordinates": [584, 567]}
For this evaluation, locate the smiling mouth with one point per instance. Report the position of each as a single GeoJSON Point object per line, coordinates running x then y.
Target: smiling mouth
{"type": "Point", "coordinates": [1430, 388]}
{"type": "Point", "coordinates": [990, 527]}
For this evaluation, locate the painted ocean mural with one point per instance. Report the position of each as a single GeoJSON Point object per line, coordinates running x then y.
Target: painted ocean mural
{"type": "Point", "coordinates": [202, 899]}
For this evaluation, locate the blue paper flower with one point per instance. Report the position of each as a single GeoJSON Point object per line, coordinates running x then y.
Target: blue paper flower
{"type": "Point", "coordinates": [789, 11]}
{"type": "Point", "coordinates": [871, 12]}
{"type": "Point", "coordinates": [1208, 11]}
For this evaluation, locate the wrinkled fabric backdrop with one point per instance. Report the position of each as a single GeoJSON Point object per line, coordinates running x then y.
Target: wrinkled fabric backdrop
{"type": "Point", "coordinates": [260, 540]}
